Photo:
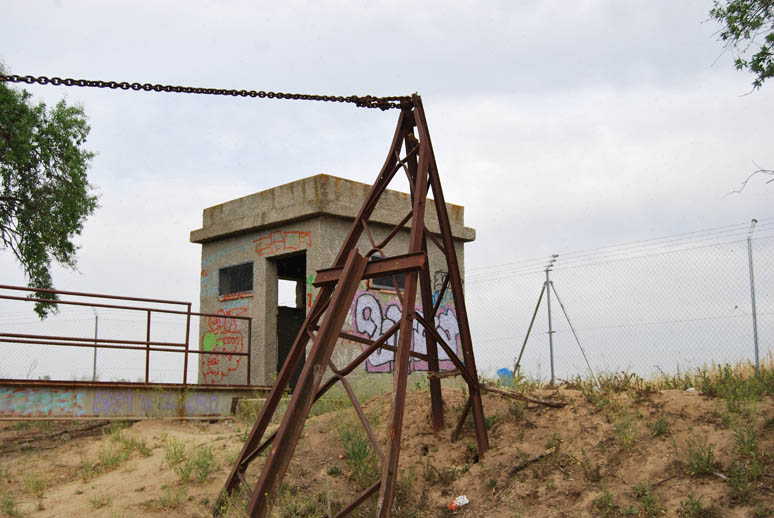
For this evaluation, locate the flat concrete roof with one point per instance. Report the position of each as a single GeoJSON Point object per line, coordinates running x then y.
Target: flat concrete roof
{"type": "Point", "coordinates": [314, 196]}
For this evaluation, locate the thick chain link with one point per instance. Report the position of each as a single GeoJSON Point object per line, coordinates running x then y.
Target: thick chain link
{"type": "Point", "coordinates": [366, 101]}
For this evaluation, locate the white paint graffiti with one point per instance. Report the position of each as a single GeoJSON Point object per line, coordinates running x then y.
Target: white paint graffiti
{"type": "Point", "coordinates": [372, 318]}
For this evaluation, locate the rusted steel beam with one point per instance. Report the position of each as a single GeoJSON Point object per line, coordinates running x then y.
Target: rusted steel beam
{"type": "Point", "coordinates": [381, 268]}
{"type": "Point", "coordinates": [400, 375]}
{"type": "Point", "coordinates": [92, 295]}
{"type": "Point", "coordinates": [435, 241]}
{"type": "Point", "coordinates": [461, 421]}
{"type": "Point", "coordinates": [455, 279]}
{"type": "Point", "coordinates": [306, 389]}
{"type": "Point", "coordinates": [99, 340]}
{"type": "Point", "coordinates": [430, 330]}
{"type": "Point", "coordinates": [436, 400]}
{"type": "Point", "coordinates": [395, 230]}
{"type": "Point", "coordinates": [359, 500]}
{"type": "Point", "coordinates": [441, 294]}
{"type": "Point", "coordinates": [366, 341]}
{"type": "Point", "coordinates": [119, 347]}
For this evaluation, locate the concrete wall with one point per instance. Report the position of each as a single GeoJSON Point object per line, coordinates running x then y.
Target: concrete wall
{"type": "Point", "coordinates": [72, 400]}
{"type": "Point", "coordinates": [312, 216]}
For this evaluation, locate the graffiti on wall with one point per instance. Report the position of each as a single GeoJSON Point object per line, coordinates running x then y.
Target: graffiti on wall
{"type": "Point", "coordinates": [234, 247]}
{"type": "Point", "coordinates": [373, 314]}
{"type": "Point", "coordinates": [439, 277]}
{"type": "Point", "coordinates": [40, 402]}
{"type": "Point", "coordinates": [282, 241]}
{"type": "Point", "coordinates": [223, 335]}
{"type": "Point", "coordinates": [125, 402]}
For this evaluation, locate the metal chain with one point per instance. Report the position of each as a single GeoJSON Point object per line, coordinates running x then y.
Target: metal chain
{"type": "Point", "coordinates": [366, 101]}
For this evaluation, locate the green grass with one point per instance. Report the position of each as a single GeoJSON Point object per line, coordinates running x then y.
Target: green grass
{"type": "Point", "coordinates": [650, 505]}
{"type": "Point", "coordinates": [99, 501]}
{"type": "Point", "coordinates": [174, 452]}
{"type": "Point", "coordinates": [198, 462]}
{"type": "Point", "coordinates": [659, 427]}
{"type": "Point", "coordinates": [168, 501]}
{"type": "Point", "coordinates": [693, 508]}
{"type": "Point", "coordinates": [8, 506]}
{"type": "Point", "coordinates": [701, 459]}
{"type": "Point", "coordinates": [359, 455]}
{"type": "Point", "coordinates": [87, 469]}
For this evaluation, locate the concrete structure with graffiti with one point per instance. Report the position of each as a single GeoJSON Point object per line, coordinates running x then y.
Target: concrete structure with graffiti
{"type": "Point", "coordinates": [288, 233]}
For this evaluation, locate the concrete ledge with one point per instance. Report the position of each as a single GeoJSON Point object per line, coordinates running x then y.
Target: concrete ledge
{"type": "Point", "coordinates": [314, 196]}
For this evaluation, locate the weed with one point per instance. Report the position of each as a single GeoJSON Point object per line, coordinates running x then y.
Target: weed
{"type": "Point", "coordinates": [204, 463]}
{"type": "Point", "coordinates": [649, 501]}
{"type": "Point", "coordinates": [111, 457]}
{"type": "Point", "coordinates": [605, 505]}
{"type": "Point", "coordinates": [746, 440]}
{"type": "Point", "coordinates": [87, 469]}
{"type": "Point", "coordinates": [490, 420]}
{"type": "Point", "coordinates": [736, 386]}
{"type": "Point", "coordinates": [554, 441]}
{"type": "Point", "coordinates": [99, 501]}
{"type": "Point", "coordinates": [233, 505]}
{"type": "Point", "coordinates": [169, 500]}
{"type": "Point", "coordinates": [359, 454]}
{"type": "Point", "coordinates": [8, 506]}
{"type": "Point", "coordinates": [763, 512]}
{"type": "Point", "coordinates": [741, 475]}
{"type": "Point", "coordinates": [334, 471]}
{"type": "Point", "coordinates": [659, 427]}
{"type": "Point", "coordinates": [516, 409]}
{"type": "Point", "coordinates": [693, 508]}
{"type": "Point", "coordinates": [34, 484]}
{"type": "Point", "coordinates": [625, 426]}
{"type": "Point", "coordinates": [174, 452]}
{"type": "Point", "coordinates": [701, 459]}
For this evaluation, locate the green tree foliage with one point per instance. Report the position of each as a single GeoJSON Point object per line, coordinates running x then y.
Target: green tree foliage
{"type": "Point", "coordinates": [748, 29]}
{"type": "Point", "coordinates": [45, 197]}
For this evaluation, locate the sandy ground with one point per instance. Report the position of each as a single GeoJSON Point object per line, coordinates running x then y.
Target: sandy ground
{"type": "Point", "coordinates": [612, 460]}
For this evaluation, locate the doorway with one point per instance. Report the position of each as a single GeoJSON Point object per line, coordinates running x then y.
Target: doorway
{"type": "Point", "coordinates": [291, 307]}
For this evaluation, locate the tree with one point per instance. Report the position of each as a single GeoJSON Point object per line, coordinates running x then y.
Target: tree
{"type": "Point", "coordinates": [748, 29]}
{"type": "Point", "coordinates": [45, 197]}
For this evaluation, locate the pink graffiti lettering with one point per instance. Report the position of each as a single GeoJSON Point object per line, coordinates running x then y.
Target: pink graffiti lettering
{"type": "Point", "coordinates": [371, 317]}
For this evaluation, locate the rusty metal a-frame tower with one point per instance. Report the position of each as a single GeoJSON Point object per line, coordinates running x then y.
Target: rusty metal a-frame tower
{"type": "Point", "coordinates": [323, 326]}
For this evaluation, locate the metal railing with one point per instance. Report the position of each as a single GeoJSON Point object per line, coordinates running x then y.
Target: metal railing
{"type": "Point", "coordinates": [147, 345]}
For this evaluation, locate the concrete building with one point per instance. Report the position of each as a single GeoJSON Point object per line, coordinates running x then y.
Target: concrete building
{"type": "Point", "coordinates": [256, 246]}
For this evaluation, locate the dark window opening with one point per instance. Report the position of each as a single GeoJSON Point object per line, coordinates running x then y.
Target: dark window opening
{"type": "Point", "coordinates": [235, 279]}
{"type": "Point", "coordinates": [385, 282]}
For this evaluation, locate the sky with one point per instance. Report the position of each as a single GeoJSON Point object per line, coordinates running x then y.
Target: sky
{"type": "Point", "coordinates": [558, 125]}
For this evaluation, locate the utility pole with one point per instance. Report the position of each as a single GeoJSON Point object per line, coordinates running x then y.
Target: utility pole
{"type": "Point", "coordinates": [550, 323]}
{"type": "Point", "coordinates": [752, 295]}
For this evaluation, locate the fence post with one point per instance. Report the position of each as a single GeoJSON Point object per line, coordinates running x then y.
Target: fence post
{"type": "Point", "coordinates": [752, 295]}
{"type": "Point", "coordinates": [550, 323]}
{"type": "Point", "coordinates": [187, 339]}
{"type": "Point", "coordinates": [249, 346]}
{"type": "Point", "coordinates": [147, 347]}
{"type": "Point", "coordinates": [96, 328]}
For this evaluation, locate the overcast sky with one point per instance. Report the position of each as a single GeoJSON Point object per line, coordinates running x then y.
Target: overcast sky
{"type": "Point", "coordinates": [558, 125]}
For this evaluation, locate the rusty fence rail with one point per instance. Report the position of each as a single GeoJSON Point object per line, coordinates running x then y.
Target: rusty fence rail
{"type": "Point", "coordinates": [148, 345]}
